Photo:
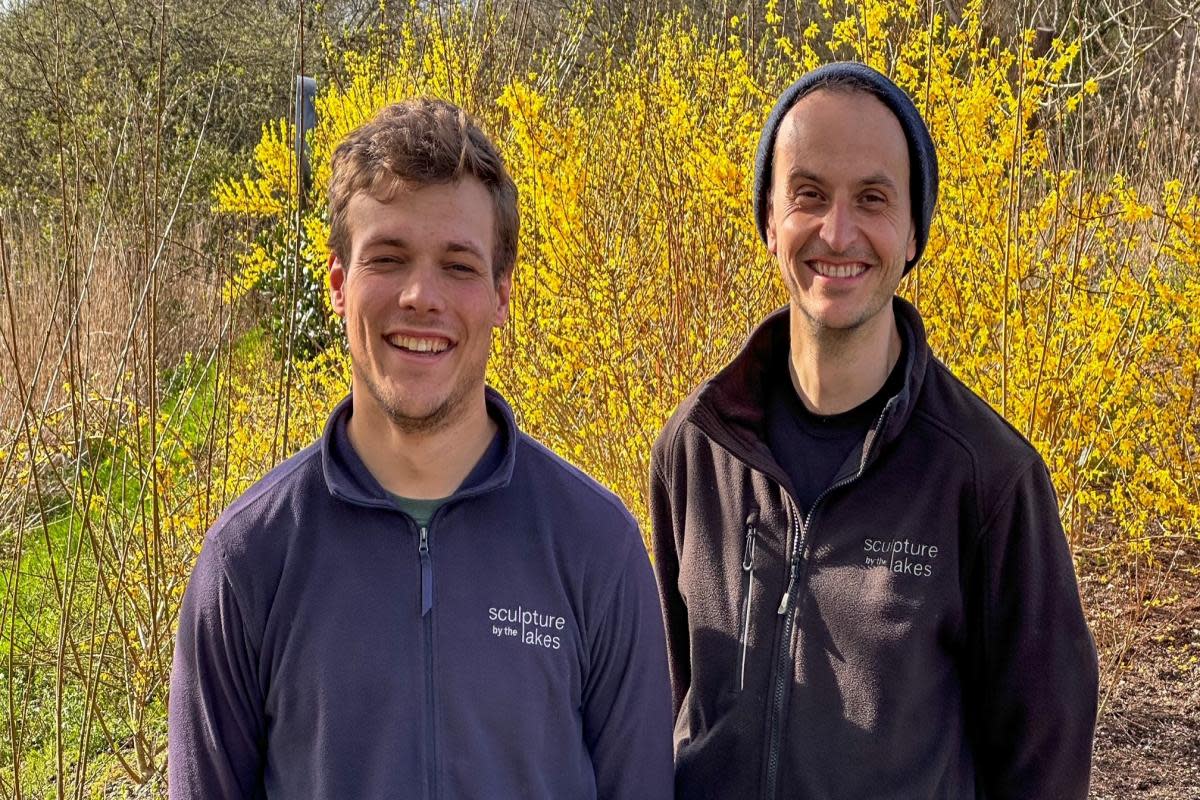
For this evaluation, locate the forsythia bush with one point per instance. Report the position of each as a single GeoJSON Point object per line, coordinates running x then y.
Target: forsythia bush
{"type": "Point", "coordinates": [1069, 300]}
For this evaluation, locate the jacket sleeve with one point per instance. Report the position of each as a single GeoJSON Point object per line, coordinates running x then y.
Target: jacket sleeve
{"type": "Point", "coordinates": [663, 540]}
{"type": "Point", "coordinates": [215, 724]}
{"type": "Point", "coordinates": [626, 706]}
{"type": "Point", "coordinates": [1035, 695]}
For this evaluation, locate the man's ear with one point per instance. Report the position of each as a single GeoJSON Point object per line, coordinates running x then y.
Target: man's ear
{"type": "Point", "coordinates": [503, 292]}
{"type": "Point", "coordinates": [771, 239]}
{"type": "Point", "coordinates": [337, 285]}
{"type": "Point", "coordinates": [912, 245]}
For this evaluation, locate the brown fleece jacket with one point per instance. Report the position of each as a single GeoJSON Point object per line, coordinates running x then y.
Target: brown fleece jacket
{"type": "Point", "coordinates": [916, 634]}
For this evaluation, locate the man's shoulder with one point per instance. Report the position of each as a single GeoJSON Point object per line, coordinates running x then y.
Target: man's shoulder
{"type": "Point", "coordinates": [270, 508]}
{"type": "Point", "coordinates": [563, 486]}
{"type": "Point", "coordinates": [595, 539]}
{"type": "Point", "coordinates": [678, 427]}
{"type": "Point", "coordinates": [960, 414]}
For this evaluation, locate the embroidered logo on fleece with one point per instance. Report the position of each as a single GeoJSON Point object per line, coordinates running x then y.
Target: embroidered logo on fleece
{"type": "Point", "coordinates": [533, 628]}
{"type": "Point", "coordinates": [902, 556]}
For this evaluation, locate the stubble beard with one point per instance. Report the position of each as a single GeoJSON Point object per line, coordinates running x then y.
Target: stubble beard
{"type": "Point", "coordinates": [834, 338]}
{"type": "Point", "coordinates": [435, 420]}
{"type": "Point", "coordinates": [442, 415]}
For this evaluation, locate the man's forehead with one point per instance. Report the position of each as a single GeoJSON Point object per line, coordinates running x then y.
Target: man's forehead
{"type": "Point", "coordinates": [457, 215]}
{"type": "Point", "coordinates": [806, 122]}
{"type": "Point", "coordinates": [859, 100]}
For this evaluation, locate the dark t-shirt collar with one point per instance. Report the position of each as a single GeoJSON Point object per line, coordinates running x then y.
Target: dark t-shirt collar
{"type": "Point", "coordinates": [859, 418]}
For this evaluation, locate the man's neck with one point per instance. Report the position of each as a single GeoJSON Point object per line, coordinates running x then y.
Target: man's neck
{"type": "Point", "coordinates": [420, 465]}
{"type": "Point", "coordinates": [835, 371]}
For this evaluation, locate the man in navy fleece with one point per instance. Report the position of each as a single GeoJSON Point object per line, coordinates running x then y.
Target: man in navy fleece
{"type": "Point", "coordinates": [425, 602]}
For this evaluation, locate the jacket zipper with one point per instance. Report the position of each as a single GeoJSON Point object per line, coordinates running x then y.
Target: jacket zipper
{"type": "Point", "coordinates": [747, 588]}
{"type": "Point", "coordinates": [783, 668]}
{"type": "Point", "coordinates": [802, 529]}
{"type": "Point", "coordinates": [427, 622]}
{"type": "Point", "coordinates": [426, 573]}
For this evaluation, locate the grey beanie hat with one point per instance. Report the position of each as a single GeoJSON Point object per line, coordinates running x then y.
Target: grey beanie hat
{"type": "Point", "coordinates": [922, 158]}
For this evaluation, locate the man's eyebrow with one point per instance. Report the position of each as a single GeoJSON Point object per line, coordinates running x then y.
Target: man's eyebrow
{"type": "Point", "coordinates": [385, 241]}
{"type": "Point", "coordinates": [464, 247]}
{"type": "Point", "coordinates": [799, 173]}
{"type": "Point", "coordinates": [453, 246]}
{"type": "Point", "coordinates": [880, 179]}
{"type": "Point", "coordinates": [875, 179]}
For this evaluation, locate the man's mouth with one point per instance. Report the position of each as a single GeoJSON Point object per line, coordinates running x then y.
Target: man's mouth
{"type": "Point", "coordinates": [420, 344]}
{"type": "Point", "coordinates": [828, 270]}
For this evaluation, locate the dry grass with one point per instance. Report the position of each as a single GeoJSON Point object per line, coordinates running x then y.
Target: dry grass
{"type": "Point", "coordinates": [79, 306]}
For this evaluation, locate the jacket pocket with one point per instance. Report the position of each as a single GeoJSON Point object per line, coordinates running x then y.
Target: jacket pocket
{"type": "Point", "coordinates": [747, 594]}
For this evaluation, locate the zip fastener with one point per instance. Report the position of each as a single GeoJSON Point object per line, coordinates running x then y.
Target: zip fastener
{"type": "Point", "coordinates": [426, 607]}
{"type": "Point", "coordinates": [793, 557]}
{"type": "Point", "coordinates": [775, 729]}
{"type": "Point", "coordinates": [426, 572]}
{"type": "Point", "coordinates": [747, 587]}
{"type": "Point", "coordinates": [802, 530]}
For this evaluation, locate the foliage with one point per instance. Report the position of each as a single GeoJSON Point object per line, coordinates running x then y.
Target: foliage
{"type": "Point", "coordinates": [84, 84]}
{"type": "Point", "coordinates": [95, 591]}
{"type": "Point", "coordinates": [1067, 300]}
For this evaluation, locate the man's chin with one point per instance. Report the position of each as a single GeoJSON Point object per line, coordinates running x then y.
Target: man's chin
{"type": "Point", "coordinates": [420, 417]}
{"type": "Point", "coordinates": [418, 412]}
{"type": "Point", "coordinates": [427, 414]}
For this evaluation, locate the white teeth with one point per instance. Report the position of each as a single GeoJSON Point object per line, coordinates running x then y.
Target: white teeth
{"type": "Point", "coordinates": [838, 270]}
{"type": "Point", "coordinates": [419, 345]}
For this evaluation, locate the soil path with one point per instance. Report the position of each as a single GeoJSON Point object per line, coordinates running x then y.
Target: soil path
{"type": "Point", "coordinates": [1148, 736]}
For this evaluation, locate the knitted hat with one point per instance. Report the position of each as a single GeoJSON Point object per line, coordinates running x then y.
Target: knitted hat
{"type": "Point", "coordinates": [922, 158]}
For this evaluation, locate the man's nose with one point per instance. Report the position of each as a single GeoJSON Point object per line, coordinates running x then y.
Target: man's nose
{"type": "Point", "coordinates": [838, 227]}
{"type": "Point", "coordinates": [422, 291]}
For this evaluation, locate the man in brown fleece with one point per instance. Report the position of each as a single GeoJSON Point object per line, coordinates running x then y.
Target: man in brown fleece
{"type": "Point", "coordinates": [864, 578]}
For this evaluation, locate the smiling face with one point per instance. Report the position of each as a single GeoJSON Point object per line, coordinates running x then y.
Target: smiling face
{"type": "Point", "coordinates": [420, 301]}
{"type": "Point", "coordinates": [839, 221]}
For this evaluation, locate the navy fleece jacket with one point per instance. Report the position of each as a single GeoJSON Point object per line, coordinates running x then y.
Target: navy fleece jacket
{"type": "Point", "coordinates": [328, 647]}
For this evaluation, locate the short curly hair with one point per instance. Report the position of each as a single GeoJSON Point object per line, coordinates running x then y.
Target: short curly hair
{"type": "Point", "coordinates": [415, 143]}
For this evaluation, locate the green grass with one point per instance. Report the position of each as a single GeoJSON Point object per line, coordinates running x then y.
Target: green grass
{"type": "Point", "coordinates": [115, 474]}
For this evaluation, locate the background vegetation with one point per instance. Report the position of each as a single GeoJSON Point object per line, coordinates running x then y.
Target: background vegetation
{"type": "Point", "coordinates": [167, 339]}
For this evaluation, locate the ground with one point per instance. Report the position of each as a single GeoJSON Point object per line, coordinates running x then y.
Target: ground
{"type": "Point", "coordinates": [1147, 627]}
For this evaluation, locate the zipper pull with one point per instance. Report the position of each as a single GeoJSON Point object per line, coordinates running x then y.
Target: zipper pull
{"type": "Point", "coordinates": [787, 595]}
{"type": "Point", "coordinates": [786, 601]}
{"type": "Point", "coordinates": [426, 572]}
{"type": "Point", "coordinates": [747, 590]}
{"type": "Point", "coordinates": [797, 547]}
{"type": "Point", "coordinates": [748, 552]}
